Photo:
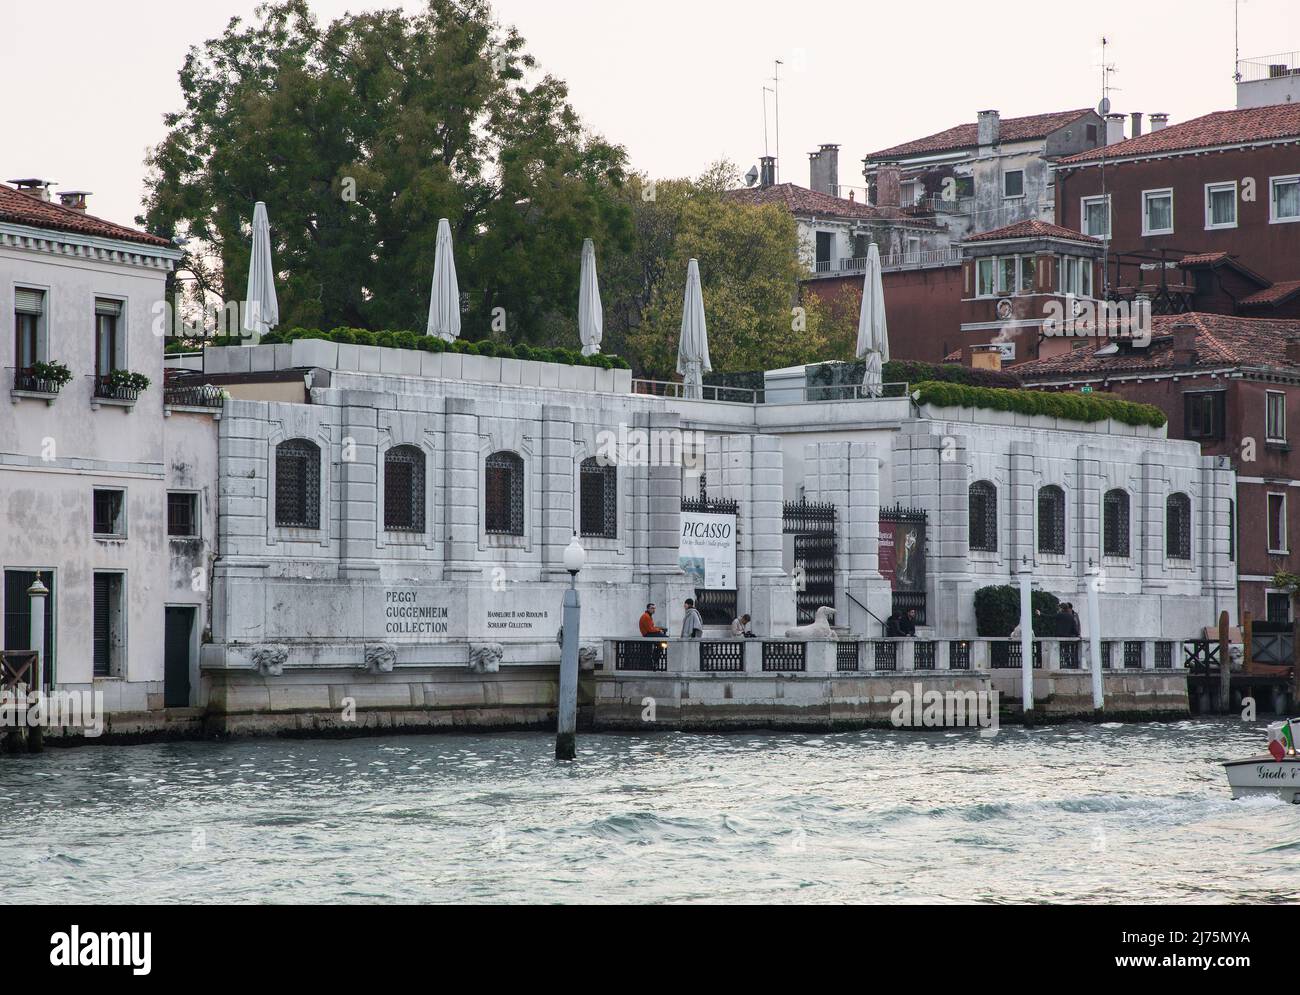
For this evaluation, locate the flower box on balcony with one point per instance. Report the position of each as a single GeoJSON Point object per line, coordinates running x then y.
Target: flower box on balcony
{"type": "Point", "coordinates": [41, 381]}
{"type": "Point", "coordinates": [121, 388]}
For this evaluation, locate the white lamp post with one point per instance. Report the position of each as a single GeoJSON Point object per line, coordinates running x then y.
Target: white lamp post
{"type": "Point", "coordinates": [38, 593]}
{"type": "Point", "coordinates": [1094, 635]}
{"type": "Point", "coordinates": [1026, 636]}
{"type": "Point", "coordinates": [566, 746]}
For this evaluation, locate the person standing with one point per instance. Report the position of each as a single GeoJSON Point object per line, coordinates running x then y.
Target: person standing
{"type": "Point", "coordinates": [693, 623]}
{"type": "Point", "coordinates": [647, 623]}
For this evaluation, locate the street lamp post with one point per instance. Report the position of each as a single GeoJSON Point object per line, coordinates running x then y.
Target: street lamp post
{"type": "Point", "coordinates": [1094, 637]}
{"type": "Point", "coordinates": [566, 745]}
{"type": "Point", "coordinates": [38, 593]}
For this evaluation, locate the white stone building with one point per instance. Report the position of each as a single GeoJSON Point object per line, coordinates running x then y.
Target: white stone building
{"type": "Point", "coordinates": [393, 536]}
{"type": "Point", "coordinates": [110, 501]}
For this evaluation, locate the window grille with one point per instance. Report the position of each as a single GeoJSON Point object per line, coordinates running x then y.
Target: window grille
{"type": "Point", "coordinates": [1051, 519]}
{"type": "Point", "coordinates": [598, 499]}
{"type": "Point", "coordinates": [297, 484]}
{"type": "Point", "coordinates": [404, 489]}
{"type": "Point", "coordinates": [1115, 523]}
{"type": "Point", "coordinates": [1178, 527]}
{"type": "Point", "coordinates": [983, 516]}
{"type": "Point", "coordinates": [504, 499]}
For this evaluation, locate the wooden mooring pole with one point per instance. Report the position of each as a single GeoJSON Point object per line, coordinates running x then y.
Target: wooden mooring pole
{"type": "Point", "coordinates": [1225, 666]}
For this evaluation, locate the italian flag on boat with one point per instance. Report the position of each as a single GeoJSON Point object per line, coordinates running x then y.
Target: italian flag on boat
{"type": "Point", "coordinates": [1280, 741]}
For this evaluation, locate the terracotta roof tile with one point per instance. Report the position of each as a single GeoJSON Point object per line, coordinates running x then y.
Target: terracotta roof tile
{"type": "Point", "coordinates": [1221, 340]}
{"type": "Point", "coordinates": [1275, 294]}
{"type": "Point", "coordinates": [24, 209]}
{"type": "Point", "coordinates": [963, 136]}
{"type": "Point", "coordinates": [1033, 228]}
{"type": "Point", "coordinates": [801, 200]}
{"type": "Point", "coordinates": [1250, 124]}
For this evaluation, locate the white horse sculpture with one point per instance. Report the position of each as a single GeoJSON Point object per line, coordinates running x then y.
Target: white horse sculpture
{"type": "Point", "coordinates": [820, 629]}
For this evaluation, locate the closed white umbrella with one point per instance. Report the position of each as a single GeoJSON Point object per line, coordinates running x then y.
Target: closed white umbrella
{"type": "Point", "coordinates": [693, 347]}
{"type": "Point", "coordinates": [444, 299]}
{"type": "Point", "coordinates": [261, 309]}
{"type": "Point", "coordinates": [591, 319]}
{"type": "Point", "coordinates": [873, 333]}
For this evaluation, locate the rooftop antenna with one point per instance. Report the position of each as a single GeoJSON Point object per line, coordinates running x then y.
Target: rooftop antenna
{"type": "Point", "coordinates": [1236, 40]}
{"type": "Point", "coordinates": [776, 80]}
{"type": "Point", "coordinates": [1103, 108]}
{"type": "Point", "coordinates": [766, 91]}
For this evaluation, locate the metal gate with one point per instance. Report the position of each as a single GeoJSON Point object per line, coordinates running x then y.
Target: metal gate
{"type": "Point", "coordinates": [813, 527]}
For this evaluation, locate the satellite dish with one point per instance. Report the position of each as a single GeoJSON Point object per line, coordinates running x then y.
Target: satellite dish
{"type": "Point", "coordinates": [1103, 108]}
{"type": "Point", "coordinates": [752, 176]}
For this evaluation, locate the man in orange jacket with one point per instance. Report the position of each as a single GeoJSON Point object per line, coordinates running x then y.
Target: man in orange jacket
{"type": "Point", "coordinates": [648, 627]}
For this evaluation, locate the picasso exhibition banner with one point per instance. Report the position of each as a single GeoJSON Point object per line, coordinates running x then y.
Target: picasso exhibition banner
{"type": "Point", "coordinates": [707, 551]}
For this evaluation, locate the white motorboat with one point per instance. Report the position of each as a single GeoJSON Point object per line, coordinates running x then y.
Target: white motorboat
{"type": "Point", "coordinates": [1263, 775]}
{"type": "Point", "coordinates": [1276, 772]}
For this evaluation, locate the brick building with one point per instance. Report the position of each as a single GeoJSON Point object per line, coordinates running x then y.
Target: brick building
{"type": "Point", "coordinates": [1203, 215]}
{"type": "Point", "coordinates": [1233, 384]}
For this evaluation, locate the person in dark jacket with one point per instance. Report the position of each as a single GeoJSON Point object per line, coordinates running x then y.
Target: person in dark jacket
{"type": "Point", "coordinates": [893, 625]}
{"type": "Point", "coordinates": [907, 626]}
{"type": "Point", "coordinates": [1067, 623]}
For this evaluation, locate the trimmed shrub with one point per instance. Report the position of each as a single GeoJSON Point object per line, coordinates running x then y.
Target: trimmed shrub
{"type": "Point", "coordinates": [1073, 407]}
{"type": "Point", "coordinates": [997, 610]}
{"type": "Point", "coordinates": [343, 335]}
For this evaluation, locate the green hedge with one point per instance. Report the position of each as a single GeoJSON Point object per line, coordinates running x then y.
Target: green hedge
{"type": "Point", "coordinates": [827, 376]}
{"type": "Point", "coordinates": [1075, 407]}
{"type": "Point", "coordinates": [431, 343]}
{"type": "Point", "coordinates": [997, 610]}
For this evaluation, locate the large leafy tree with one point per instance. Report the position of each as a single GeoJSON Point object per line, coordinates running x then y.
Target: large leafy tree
{"type": "Point", "coordinates": [750, 274]}
{"type": "Point", "coordinates": [359, 135]}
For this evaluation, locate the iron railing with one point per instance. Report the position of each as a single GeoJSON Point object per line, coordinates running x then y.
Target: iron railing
{"type": "Point", "coordinates": [194, 396]}
{"type": "Point", "coordinates": [1071, 655]}
{"type": "Point", "coordinates": [25, 379]}
{"type": "Point", "coordinates": [847, 653]}
{"type": "Point", "coordinates": [958, 654]}
{"type": "Point", "coordinates": [104, 389]}
{"type": "Point", "coordinates": [923, 653]}
{"type": "Point", "coordinates": [1268, 67]}
{"type": "Point", "coordinates": [1009, 655]}
{"type": "Point", "coordinates": [640, 654]}
{"type": "Point", "coordinates": [720, 657]}
{"type": "Point", "coordinates": [784, 656]}
{"type": "Point", "coordinates": [746, 395]}
{"type": "Point", "coordinates": [886, 656]}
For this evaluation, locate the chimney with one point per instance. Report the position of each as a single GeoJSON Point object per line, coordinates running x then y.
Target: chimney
{"type": "Point", "coordinates": [889, 190]}
{"type": "Point", "coordinates": [1158, 121]}
{"type": "Point", "coordinates": [1184, 334]}
{"type": "Point", "coordinates": [1136, 128]}
{"type": "Point", "coordinates": [1114, 128]}
{"type": "Point", "coordinates": [75, 199]}
{"type": "Point", "coordinates": [985, 357]}
{"type": "Point", "coordinates": [824, 170]}
{"type": "Point", "coordinates": [767, 171]}
{"type": "Point", "coordinates": [34, 187]}
{"type": "Point", "coordinates": [989, 128]}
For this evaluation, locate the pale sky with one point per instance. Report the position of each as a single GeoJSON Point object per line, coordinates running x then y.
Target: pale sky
{"type": "Point", "coordinates": [678, 82]}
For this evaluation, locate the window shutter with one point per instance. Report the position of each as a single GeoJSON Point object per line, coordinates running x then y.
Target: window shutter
{"type": "Point", "coordinates": [112, 309]}
{"type": "Point", "coordinates": [29, 301]}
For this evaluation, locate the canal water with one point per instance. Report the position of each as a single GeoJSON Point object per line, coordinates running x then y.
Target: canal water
{"type": "Point", "coordinates": [1080, 813]}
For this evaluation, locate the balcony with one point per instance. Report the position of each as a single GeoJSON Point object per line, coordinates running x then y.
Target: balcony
{"type": "Point", "coordinates": [198, 397]}
{"type": "Point", "coordinates": [922, 259]}
{"type": "Point", "coordinates": [27, 384]}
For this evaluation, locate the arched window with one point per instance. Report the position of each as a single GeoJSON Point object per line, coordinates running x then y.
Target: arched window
{"type": "Point", "coordinates": [1114, 525]}
{"type": "Point", "coordinates": [404, 489]}
{"type": "Point", "coordinates": [983, 506]}
{"type": "Point", "coordinates": [297, 484]}
{"type": "Point", "coordinates": [1178, 527]}
{"type": "Point", "coordinates": [504, 504]}
{"type": "Point", "coordinates": [1051, 519]}
{"type": "Point", "coordinates": [598, 499]}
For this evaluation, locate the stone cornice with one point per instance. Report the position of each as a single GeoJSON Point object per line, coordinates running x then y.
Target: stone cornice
{"type": "Point", "coordinates": [90, 247]}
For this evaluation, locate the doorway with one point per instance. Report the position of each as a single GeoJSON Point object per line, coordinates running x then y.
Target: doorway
{"type": "Point", "coordinates": [178, 637]}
